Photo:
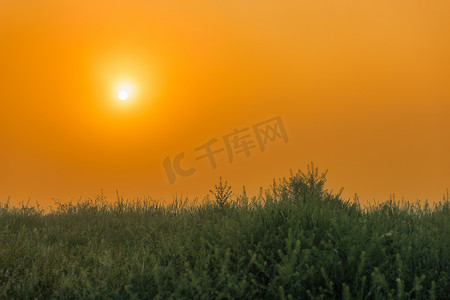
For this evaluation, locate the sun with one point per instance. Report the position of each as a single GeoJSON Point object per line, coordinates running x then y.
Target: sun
{"type": "Point", "coordinates": [123, 95]}
{"type": "Point", "coordinates": [125, 91]}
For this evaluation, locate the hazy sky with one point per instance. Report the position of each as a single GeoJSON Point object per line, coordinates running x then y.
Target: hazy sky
{"type": "Point", "coordinates": [362, 88]}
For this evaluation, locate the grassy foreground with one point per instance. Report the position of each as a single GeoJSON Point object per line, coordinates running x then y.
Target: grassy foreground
{"type": "Point", "coordinates": [297, 240]}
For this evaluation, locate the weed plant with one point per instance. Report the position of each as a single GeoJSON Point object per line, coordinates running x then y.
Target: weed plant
{"type": "Point", "coordinates": [297, 240]}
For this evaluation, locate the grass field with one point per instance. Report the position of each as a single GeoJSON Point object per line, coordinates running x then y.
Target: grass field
{"type": "Point", "coordinates": [296, 240]}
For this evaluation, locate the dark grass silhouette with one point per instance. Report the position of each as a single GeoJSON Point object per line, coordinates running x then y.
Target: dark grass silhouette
{"type": "Point", "coordinates": [296, 240]}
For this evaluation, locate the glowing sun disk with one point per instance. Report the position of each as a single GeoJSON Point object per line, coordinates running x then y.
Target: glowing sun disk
{"type": "Point", "coordinates": [123, 95]}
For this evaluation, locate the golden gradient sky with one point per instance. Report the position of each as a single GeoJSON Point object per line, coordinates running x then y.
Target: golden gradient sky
{"type": "Point", "coordinates": [362, 88]}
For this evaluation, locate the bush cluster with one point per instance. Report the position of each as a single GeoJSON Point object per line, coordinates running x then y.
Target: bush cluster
{"type": "Point", "coordinates": [296, 240]}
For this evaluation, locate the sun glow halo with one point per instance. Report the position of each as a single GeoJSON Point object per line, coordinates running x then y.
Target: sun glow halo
{"type": "Point", "coordinates": [125, 92]}
{"type": "Point", "coordinates": [123, 95]}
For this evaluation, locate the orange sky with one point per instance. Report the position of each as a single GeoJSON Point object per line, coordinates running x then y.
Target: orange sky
{"type": "Point", "coordinates": [362, 88]}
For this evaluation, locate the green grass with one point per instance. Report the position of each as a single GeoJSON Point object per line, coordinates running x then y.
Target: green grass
{"type": "Point", "coordinates": [297, 240]}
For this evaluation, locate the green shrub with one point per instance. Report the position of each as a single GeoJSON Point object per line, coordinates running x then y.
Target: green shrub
{"type": "Point", "coordinates": [296, 240]}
